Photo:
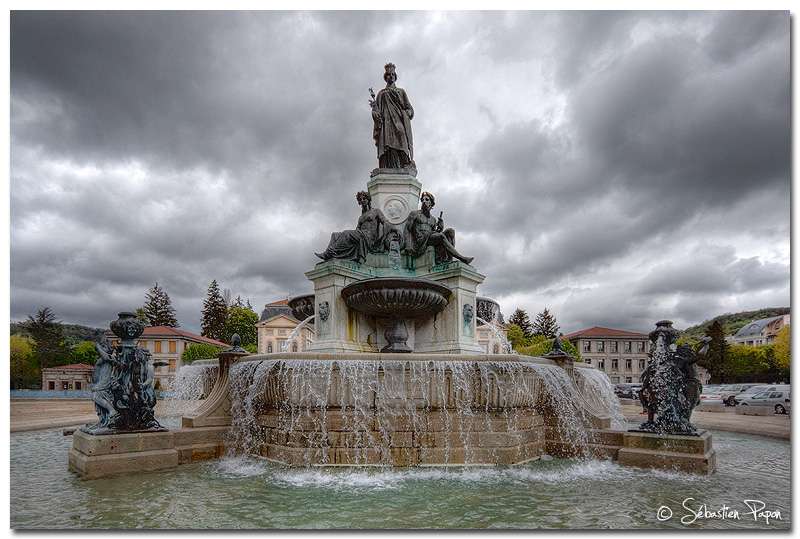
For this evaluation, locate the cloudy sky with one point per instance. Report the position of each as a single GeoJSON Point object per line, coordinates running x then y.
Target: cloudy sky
{"type": "Point", "coordinates": [617, 168]}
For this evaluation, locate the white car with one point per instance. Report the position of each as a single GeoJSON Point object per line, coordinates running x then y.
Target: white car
{"type": "Point", "coordinates": [710, 396]}
{"type": "Point", "coordinates": [776, 399]}
{"type": "Point", "coordinates": [728, 393]}
{"type": "Point", "coordinates": [750, 393]}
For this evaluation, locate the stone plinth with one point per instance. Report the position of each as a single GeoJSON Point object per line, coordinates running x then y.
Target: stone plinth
{"type": "Point", "coordinates": [395, 194]}
{"type": "Point", "coordinates": [693, 454]}
{"type": "Point", "coordinates": [102, 456]}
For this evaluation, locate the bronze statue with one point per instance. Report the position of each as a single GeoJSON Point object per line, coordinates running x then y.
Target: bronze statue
{"type": "Point", "coordinates": [671, 383]}
{"type": "Point", "coordinates": [422, 229]}
{"type": "Point", "coordinates": [392, 114]}
{"type": "Point", "coordinates": [122, 383]}
{"type": "Point", "coordinates": [371, 234]}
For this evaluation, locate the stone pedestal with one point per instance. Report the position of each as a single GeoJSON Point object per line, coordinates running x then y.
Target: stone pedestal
{"type": "Point", "coordinates": [101, 456]}
{"type": "Point", "coordinates": [693, 454]}
{"type": "Point", "coordinates": [395, 194]}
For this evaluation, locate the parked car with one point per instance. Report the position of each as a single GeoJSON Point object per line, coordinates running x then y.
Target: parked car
{"type": "Point", "coordinates": [749, 393]}
{"type": "Point", "coordinates": [623, 391]}
{"type": "Point", "coordinates": [710, 395]}
{"type": "Point", "coordinates": [636, 389]}
{"type": "Point", "coordinates": [728, 393]}
{"type": "Point", "coordinates": [778, 400]}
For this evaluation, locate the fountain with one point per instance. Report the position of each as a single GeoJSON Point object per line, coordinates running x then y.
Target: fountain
{"type": "Point", "coordinates": [395, 376]}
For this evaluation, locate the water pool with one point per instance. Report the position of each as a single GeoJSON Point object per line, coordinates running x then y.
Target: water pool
{"type": "Point", "coordinates": [235, 493]}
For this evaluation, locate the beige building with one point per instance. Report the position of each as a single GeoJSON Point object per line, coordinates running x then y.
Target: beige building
{"type": "Point", "coordinates": [276, 325]}
{"type": "Point", "coordinates": [77, 377]}
{"type": "Point", "coordinates": [622, 355]}
{"type": "Point", "coordinates": [492, 338]}
{"type": "Point", "coordinates": [166, 344]}
{"type": "Point", "coordinates": [760, 332]}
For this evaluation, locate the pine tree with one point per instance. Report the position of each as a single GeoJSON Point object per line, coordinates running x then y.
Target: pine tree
{"type": "Point", "coordinates": [158, 308]}
{"type": "Point", "coordinates": [546, 325]}
{"type": "Point", "coordinates": [215, 314]}
{"type": "Point", "coordinates": [49, 336]}
{"type": "Point", "coordinates": [521, 319]}
{"type": "Point", "coordinates": [715, 360]}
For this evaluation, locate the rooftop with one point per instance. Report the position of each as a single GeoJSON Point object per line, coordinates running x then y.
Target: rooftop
{"type": "Point", "coordinates": [598, 331]}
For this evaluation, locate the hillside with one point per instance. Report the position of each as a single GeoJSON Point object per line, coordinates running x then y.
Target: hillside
{"type": "Point", "coordinates": [75, 333]}
{"type": "Point", "coordinates": [731, 323]}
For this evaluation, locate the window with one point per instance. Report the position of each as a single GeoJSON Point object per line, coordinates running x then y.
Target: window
{"type": "Point", "coordinates": [588, 361]}
{"type": "Point", "coordinates": [614, 364]}
{"type": "Point", "coordinates": [627, 346]}
{"type": "Point", "coordinates": [143, 344]}
{"type": "Point", "coordinates": [157, 348]}
{"type": "Point", "coordinates": [601, 364]}
{"type": "Point", "coordinates": [484, 347]}
{"type": "Point", "coordinates": [614, 345]}
{"type": "Point", "coordinates": [51, 385]}
{"type": "Point", "coordinates": [185, 345]}
{"type": "Point", "coordinates": [496, 349]}
{"type": "Point", "coordinates": [641, 365]}
{"type": "Point", "coordinates": [172, 364]}
{"type": "Point", "coordinates": [78, 386]}
{"type": "Point", "coordinates": [587, 346]}
{"type": "Point", "coordinates": [641, 346]}
{"type": "Point", "coordinates": [270, 332]}
{"type": "Point", "coordinates": [172, 347]}
{"type": "Point", "coordinates": [281, 332]}
{"type": "Point", "coordinates": [601, 346]}
{"type": "Point", "coordinates": [628, 365]}
{"type": "Point", "coordinates": [294, 347]}
{"type": "Point", "coordinates": [628, 379]}
{"type": "Point", "coordinates": [269, 347]}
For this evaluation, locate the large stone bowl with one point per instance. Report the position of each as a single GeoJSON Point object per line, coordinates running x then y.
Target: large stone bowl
{"type": "Point", "coordinates": [302, 306]}
{"type": "Point", "coordinates": [398, 299]}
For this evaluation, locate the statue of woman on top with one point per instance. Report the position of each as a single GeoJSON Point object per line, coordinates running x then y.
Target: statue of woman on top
{"type": "Point", "coordinates": [392, 113]}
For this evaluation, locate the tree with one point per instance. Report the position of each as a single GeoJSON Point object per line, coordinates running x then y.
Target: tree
{"type": "Point", "coordinates": [717, 353]}
{"type": "Point", "coordinates": [23, 358]}
{"type": "Point", "coordinates": [546, 345]}
{"type": "Point", "coordinates": [781, 348]}
{"type": "Point", "coordinates": [158, 308]}
{"type": "Point", "coordinates": [546, 325]}
{"type": "Point", "coordinates": [520, 318]}
{"type": "Point", "coordinates": [83, 352]}
{"type": "Point", "coordinates": [197, 351]}
{"type": "Point", "coordinates": [744, 361]}
{"type": "Point", "coordinates": [215, 314]}
{"type": "Point", "coordinates": [243, 321]}
{"type": "Point", "coordinates": [516, 337]}
{"type": "Point", "coordinates": [49, 336]}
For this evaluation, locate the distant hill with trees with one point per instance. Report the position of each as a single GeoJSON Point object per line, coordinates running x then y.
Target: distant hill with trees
{"type": "Point", "coordinates": [75, 333]}
{"type": "Point", "coordinates": [732, 322]}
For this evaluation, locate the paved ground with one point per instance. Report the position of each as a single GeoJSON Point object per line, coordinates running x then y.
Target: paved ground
{"type": "Point", "coordinates": [775, 426]}
{"type": "Point", "coordinates": [34, 414]}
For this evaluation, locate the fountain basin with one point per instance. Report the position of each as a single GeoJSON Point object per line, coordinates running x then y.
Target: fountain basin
{"type": "Point", "coordinates": [398, 299]}
{"type": "Point", "coordinates": [302, 306]}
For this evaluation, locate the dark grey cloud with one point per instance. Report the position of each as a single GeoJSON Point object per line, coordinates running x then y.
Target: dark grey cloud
{"type": "Point", "coordinates": [612, 166]}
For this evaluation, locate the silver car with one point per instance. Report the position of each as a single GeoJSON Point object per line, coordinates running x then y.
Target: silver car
{"type": "Point", "coordinates": [775, 399]}
{"type": "Point", "coordinates": [728, 393]}
{"type": "Point", "coordinates": [752, 392]}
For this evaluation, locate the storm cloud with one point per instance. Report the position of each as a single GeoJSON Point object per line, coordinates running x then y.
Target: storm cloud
{"type": "Point", "coordinates": [617, 168]}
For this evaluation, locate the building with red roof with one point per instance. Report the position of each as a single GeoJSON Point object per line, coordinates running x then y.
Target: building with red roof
{"type": "Point", "coordinates": [166, 344]}
{"type": "Point", "coordinates": [622, 355]}
{"type": "Point", "coordinates": [77, 376]}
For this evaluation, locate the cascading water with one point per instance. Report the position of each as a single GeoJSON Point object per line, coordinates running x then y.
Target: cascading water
{"type": "Point", "coordinates": [598, 394]}
{"type": "Point", "coordinates": [507, 348]}
{"type": "Point", "coordinates": [190, 385]}
{"type": "Point", "coordinates": [293, 335]}
{"type": "Point", "coordinates": [402, 412]}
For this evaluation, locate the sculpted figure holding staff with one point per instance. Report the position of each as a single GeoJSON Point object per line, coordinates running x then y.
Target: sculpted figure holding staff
{"type": "Point", "coordinates": [392, 113]}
